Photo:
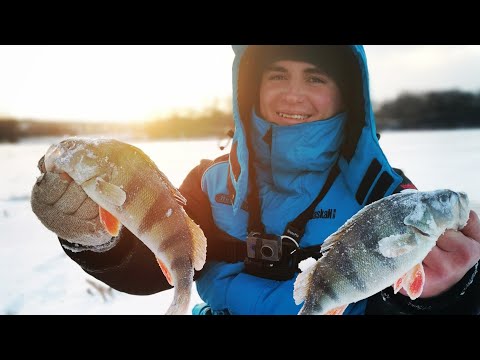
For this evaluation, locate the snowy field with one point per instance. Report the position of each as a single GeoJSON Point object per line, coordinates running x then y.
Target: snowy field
{"type": "Point", "coordinates": [38, 278]}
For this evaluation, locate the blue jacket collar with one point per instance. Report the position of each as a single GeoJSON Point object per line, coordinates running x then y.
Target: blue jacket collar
{"type": "Point", "coordinates": [360, 129]}
{"type": "Point", "coordinates": [283, 154]}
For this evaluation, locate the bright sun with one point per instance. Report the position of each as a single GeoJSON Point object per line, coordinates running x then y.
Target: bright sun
{"type": "Point", "coordinates": [112, 83]}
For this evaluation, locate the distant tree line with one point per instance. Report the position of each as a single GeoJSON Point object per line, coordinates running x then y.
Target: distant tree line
{"type": "Point", "coordinates": [209, 123]}
{"type": "Point", "coordinates": [9, 130]}
{"type": "Point", "coordinates": [431, 110]}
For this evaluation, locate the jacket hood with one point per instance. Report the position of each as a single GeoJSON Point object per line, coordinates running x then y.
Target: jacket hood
{"type": "Point", "coordinates": [245, 83]}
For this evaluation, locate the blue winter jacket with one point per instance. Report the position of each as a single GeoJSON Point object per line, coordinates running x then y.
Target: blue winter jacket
{"type": "Point", "coordinates": [291, 164]}
{"type": "Point", "coordinates": [291, 169]}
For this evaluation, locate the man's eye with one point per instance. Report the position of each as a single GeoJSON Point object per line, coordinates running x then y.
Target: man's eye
{"type": "Point", "coordinates": [277, 77]}
{"type": "Point", "coordinates": [316, 80]}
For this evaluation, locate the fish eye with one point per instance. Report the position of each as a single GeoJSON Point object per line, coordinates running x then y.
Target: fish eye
{"type": "Point", "coordinates": [444, 198]}
{"type": "Point", "coordinates": [70, 145]}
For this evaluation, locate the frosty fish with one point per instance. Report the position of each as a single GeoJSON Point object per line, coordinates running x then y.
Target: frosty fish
{"type": "Point", "coordinates": [131, 191]}
{"type": "Point", "coordinates": [384, 244]}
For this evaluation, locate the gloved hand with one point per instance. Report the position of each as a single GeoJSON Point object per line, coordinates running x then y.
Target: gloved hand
{"type": "Point", "coordinates": [64, 208]}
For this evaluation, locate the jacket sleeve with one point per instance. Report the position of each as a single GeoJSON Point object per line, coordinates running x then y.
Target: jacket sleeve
{"type": "Point", "coordinates": [228, 290]}
{"type": "Point", "coordinates": [462, 298]}
{"type": "Point", "coordinates": [130, 266]}
{"type": "Point", "coordinates": [225, 287]}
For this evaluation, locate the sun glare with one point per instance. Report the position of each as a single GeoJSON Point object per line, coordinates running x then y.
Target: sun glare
{"type": "Point", "coordinates": [121, 83]}
{"type": "Point", "coordinates": [112, 83]}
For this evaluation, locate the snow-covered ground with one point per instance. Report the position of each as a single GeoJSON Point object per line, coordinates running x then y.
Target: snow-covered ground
{"type": "Point", "coordinates": [38, 278]}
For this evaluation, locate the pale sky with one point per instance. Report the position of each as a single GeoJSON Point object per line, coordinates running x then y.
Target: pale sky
{"type": "Point", "coordinates": [123, 83]}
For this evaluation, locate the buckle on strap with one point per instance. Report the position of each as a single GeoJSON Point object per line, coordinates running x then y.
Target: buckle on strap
{"type": "Point", "coordinates": [293, 232]}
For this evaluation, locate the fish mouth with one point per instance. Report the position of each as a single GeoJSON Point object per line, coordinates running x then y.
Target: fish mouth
{"type": "Point", "coordinates": [58, 160]}
{"type": "Point", "coordinates": [50, 160]}
{"type": "Point", "coordinates": [420, 231]}
{"type": "Point", "coordinates": [464, 202]}
{"type": "Point", "coordinates": [464, 208]}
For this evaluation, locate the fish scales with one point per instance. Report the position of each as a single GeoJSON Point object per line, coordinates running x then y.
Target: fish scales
{"type": "Point", "coordinates": [377, 246]}
{"type": "Point", "coordinates": [124, 181]}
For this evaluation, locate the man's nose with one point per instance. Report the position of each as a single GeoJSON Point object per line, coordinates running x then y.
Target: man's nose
{"type": "Point", "coordinates": [294, 93]}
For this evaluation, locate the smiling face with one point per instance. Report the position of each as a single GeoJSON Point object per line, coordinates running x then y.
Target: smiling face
{"type": "Point", "coordinates": [293, 92]}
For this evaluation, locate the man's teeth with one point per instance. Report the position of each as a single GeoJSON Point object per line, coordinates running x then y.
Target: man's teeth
{"type": "Point", "coordinates": [293, 116]}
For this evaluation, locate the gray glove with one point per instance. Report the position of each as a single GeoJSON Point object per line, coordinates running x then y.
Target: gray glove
{"type": "Point", "coordinates": [64, 208]}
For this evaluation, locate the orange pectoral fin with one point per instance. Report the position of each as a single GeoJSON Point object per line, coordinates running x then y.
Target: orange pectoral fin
{"type": "Point", "coordinates": [165, 271]}
{"type": "Point", "coordinates": [398, 284]}
{"type": "Point", "coordinates": [65, 176]}
{"type": "Point", "coordinates": [337, 311]}
{"type": "Point", "coordinates": [414, 281]}
{"type": "Point", "coordinates": [110, 222]}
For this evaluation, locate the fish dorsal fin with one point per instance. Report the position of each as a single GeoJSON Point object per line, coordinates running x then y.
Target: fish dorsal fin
{"type": "Point", "coordinates": [302, 284]}
{"type": "Point", "coordinates": [109, 192]}
{"type": "Point", "coordinates": [347, 226]}
{"type": "Point", "coordinates": [179, 198]}
{"type": "Point", "coordinates": [331, 241]}
{"type": "Point", "coordinates": [396, 245]}
{"type": "Point", "coordinates": [407, 191]}
{"type": "Point", "coordinates": [199, 251]}
{"type": "Point", "coordinates": [421, 219]}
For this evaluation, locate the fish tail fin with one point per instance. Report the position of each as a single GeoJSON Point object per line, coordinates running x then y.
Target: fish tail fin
{"type": "Point", "coordinates": [199, 253]}
{"type": "Point", "coordinates": [302, 284]}
{"type": "Point", "coordinates": [182, 289]}
{"type": "Point", "coordinates": [181, 301]}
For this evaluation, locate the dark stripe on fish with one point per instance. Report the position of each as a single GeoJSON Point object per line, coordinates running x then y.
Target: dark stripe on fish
{"type": "Point", "coordinates": [169, 241]}
{"type": "Point", "coordinates": [322, 277]}
{"type": "Point", "coordinates": [180, 264]}
{"type": "Point", "coordinates": [132, 188]}
{"type": "Point", "coordinates": [350, 271]}
{"type": "Point", "coordinates": [373, 250]}
{"type": "Point", "coordinates": [160, 210]}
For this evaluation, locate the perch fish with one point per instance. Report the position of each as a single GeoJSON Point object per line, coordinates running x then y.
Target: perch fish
{"type": "Point", "coordinates": [383, 244]}
{"type": "Point", "coordinates": [132, 192]}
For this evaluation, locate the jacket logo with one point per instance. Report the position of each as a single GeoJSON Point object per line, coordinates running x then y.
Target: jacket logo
{"type": "Point", "coordinates": [227, 200]}
{"type": "Point", "coordinates": [325, 214]}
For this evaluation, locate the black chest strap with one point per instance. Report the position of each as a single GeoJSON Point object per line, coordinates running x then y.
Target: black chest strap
{"type": "Point", "coordinates": [230, 249]}
{"type": "Point", "coordinates": [296, 228]}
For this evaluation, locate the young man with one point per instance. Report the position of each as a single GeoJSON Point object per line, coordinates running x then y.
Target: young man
{"type": "Point", "coordinates": [304, 159]}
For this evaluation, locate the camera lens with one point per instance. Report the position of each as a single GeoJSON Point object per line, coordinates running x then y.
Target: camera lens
{"type": "Point", "coordinates": [267, 251]}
